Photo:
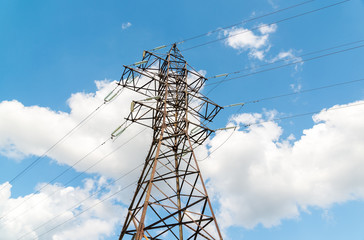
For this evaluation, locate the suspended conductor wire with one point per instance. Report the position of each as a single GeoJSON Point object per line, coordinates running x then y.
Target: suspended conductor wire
{"type": "Point", "coordinates": [217, 85]}
{"type": "Point", "coordinates": [110, 196]}
{"type": "Point", "coordinates": [266, 25]}
{"type": "Point", "coordinates": [32, 164]}
{"type": "Point", "coordinates": [247, 125]}
{"type": "Point", "coordinates": [285, 65]}
{"type": "Point", "coordinates": [58, 176]}
{"type": "Point", "coordinates": [295, 93]}
{"type": "Point", "coordinates": [286, 59]}
{"type": "Point", "coordinates": [243, 22]}
{"type": "Point", "coordinates": [67, 169]}
{"type": "Point", "coordinates": [277, 119]}
{"type": "Point", "coordinates": [304, 114]}
{"type": "Point", "coordinates": [233, 25]}
{"type": "Point", "coordinates": [81, 123]}
{"type": "Point", "coordinates": [87, 209]}
{"type": "Point", "coordinates": [76, 205]}
{"type": "Point", "coordinates": [227, 139]}
{"type": "Point", "coordinates": [81, 173]}
{"type": "Point", "coordinates": [79, 203]}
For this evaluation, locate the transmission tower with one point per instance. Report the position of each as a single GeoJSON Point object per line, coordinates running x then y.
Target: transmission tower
{"type": "Point", "coordinates": [170, 200]}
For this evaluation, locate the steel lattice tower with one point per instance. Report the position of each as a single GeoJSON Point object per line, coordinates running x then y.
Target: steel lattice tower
{"type": "Point", "coordinates": [170, 201]}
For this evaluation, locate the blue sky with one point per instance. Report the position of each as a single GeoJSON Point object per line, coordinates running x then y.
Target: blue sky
{"type": "Point", "coordinates": [295, 178]}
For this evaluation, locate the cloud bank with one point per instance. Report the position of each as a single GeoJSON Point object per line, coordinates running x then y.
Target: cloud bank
{"type": "Point", "coordinates": [246, 40]}
{"type": "Point", "coordinates": [47, 213]}
{"type": "Point", "coordinates": [258, 177]}
{"type": "Point", "coordinates": [31, 130]}
{"type": "Point", "coordinates": [255, 178]}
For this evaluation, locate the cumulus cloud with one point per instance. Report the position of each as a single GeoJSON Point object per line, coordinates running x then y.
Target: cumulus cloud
{"type": "Point", "coordinates": [31, 130]}
{"type": "Point", "coordinates": [290, 56]}
{"type": "Point", "coordinates": [258, 46]}
{"type": "Point", "coordinates": [125, 25]}
{"type": "Point", "coordinates": [271, 2]}
{"type": "Point", "coordinates": [260, 178]}
{"type": "Point", "coordinates": [246, 40]}
{"type": "Point", "coordinates": [257, 177]}
{"type": "Point", "coordinates": [34, 215]}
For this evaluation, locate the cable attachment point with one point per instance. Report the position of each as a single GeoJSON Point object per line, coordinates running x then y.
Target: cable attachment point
{"type": "Point", "coordinates": [234, 105]}
{"type": "Point", "coordinates": [152, 98]}
{"type": "Point", "coordinates": [226, 128]}
{"type": "Point", "coordinates": [140, 63]}
{"type": "Point", "coordinates": [220, 75]}
{"type": "Point", "coordinates": [117, 132]}
{"type": "Point", "coordinates": [132, 105]}
{"type": "Point", "coordinates": [111, 96]}
{"type": "Point", "coordinates": [195, 129]}
{"type": "Point", "coordinates": [158, 48]}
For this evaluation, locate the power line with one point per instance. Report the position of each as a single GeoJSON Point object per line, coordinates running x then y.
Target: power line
{"type": "Point", "coordinates": [79, 203]}
{"type": "Point", "coordinates": [32, 164]}
{"type": "Point", "coordinates": [94, 205]}
{"type": "Point", "coordinates": [227, 139]}
{"type": "Point", "coordinates": [246, 125]}
{"type": "Point", "coordinates": [72, 166]}
{"type": "Point", "coordinates": [80, 124]}
{"type": "Point", "coordinates": [266, 25]}
{"type": "Point", "coordinates": [296, 93]}
{"type": "Point", "coordinates": [285, 65]}
{"type": "Point", "coordinates": [285, 59]}
{"type": "Point", "coordinates": [277, 119]}
{"type": "Point", "coordinates": [76, 205]}
{"type": "Point", "coordinates": [59, 175]}
{"type": "Point", "coordinates": [242, 22]}
{"type": "Point", "coordinates": [304, 114]}
{"type": "Point", "coordinates": [80, 174]}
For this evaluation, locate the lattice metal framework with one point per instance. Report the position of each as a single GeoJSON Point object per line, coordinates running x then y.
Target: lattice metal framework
{"type": "Point", "coordinates": [170, 201]}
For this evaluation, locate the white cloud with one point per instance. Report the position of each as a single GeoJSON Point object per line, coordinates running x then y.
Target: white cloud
{"type": "Point", "coordinates": [49, 210]}
{"type": "Point", "coordinates": [271, 2]}
{"type": "Point", "coordinates": [125, 25]}
{"type": "Point", "coordinates": [290, 57]}
{"type": "Point", "coordinates": [257, 177]}
{"type": "Point", "coordinates": [257, 54]}
{"type": "Point", "coordinates": [296, 87]}
{"type": "Point", "coordinates": [284, 55]}
{"type": "Point", "coordinates": [31, 130]}
{"type": "Point", "coordinates": [265, 29]}
{"type": "Point", "coordinates": [246, 40]}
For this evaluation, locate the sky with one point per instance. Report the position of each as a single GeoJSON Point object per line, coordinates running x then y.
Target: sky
{"type": "Point", "coordinates": [291, 170]}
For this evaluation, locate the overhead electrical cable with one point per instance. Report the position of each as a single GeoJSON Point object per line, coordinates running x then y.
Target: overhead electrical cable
{"type": "Point", "coordinates": [110, 196]}
{"type": "Point", "coordinates": [227, 139]}
{"type": "Point", "coordinates": [83, 211]}
{"type": "Point", "coordinates": [305, 114]}
{"type": "Point", "coordinates": [266, 25]}
{"type": "Point", "coordinates": [295, 93]}
{"type": "Point", "coordinates": [277, 119]}
{"type": "Point", "coordinates": [32, 164]}
{"type": "Point", "coordinates": [107, 99]}
{"type": "Point", "coordinates": [242, 22]}
{"type": "Point", "coordinates": [55, 178]}
{"type": "Point", "coordinates": [233, 25]}
{"type": "Point", "coordinates": [285, 65]}
{"type": "Point", "coordinates": [89, 208]}
{"type": "Point", "coordinates": [81, 173]}
{"type": "Point", "coordinates": [74, 164]}
{"type": "Point", "coordinates": [286, 59]}
{"type": "Point", "coordinates": [91, 114]}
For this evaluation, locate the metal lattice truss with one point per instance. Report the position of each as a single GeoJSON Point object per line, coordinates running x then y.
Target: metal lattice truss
{"type": "Point", "coordinates": [170, 201]}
